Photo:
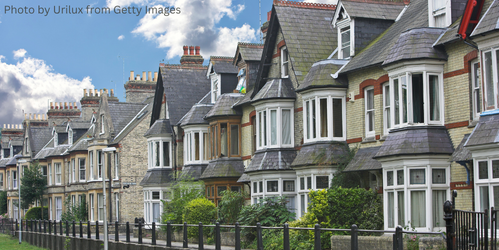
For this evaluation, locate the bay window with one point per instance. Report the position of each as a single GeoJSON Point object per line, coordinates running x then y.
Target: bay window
{"type": "Point", "coordinates": [196, 144]}
{"type": "Point", "coordinates": [273, 185]}
{"type": "Point", "coordinates": [369, 112]}
{"type": "Point", "coordinates": [415, 195]}
{"type": "Point", "coordinates": [81, 166]}
{"type": "Point", "coordinates": [58, 175]}
{"type": "Point", "coordinates": [416, 98]}
{"type": "Point", "coordinates": [91, 161]}
{"type": "Point", "coordinates": [100, 162]}
{"type": "Point", "coordinates": [486, 183]}
{"type": "Point", "coordinates": [224, 138]}
{"type": "Point", "coordinates": [491, 77]}
{"type": "Point", "coordinates": [153, 207]}
{"type": "Point", "coordinates": [159, 150]}
{"type": "Point", "coordinates": [274, 125]}
{"type": "Point", "coordinates": [324, 116]}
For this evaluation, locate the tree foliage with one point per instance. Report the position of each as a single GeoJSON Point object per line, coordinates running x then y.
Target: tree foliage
{"type": "Point", "coordinates": [33, 185]}
{"type": "Point", "coordinates": [35, 213]}
{"type": "Point", "coordinates": [199, 210]}
{"type": "Point", "coordinates": [75, 212]}
{"type": "Point", "coordinates": [229, 206]}
{"type": "Point", "coordinates": [183, 192]}
{"type": "Point", "coordinates": [3, 202]}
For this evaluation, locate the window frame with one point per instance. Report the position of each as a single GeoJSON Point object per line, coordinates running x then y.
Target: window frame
{"type": "Point", "coordinates": [73, 170]}
{"type": "Point", "coordinates": [387, 108]}
{"type": "Point", "coordinates": [82, 177]}
{"type": "Point", "coordinates": [343, 25]}
{"type": "Point", "coordinates": [494, 51]}
{"type": "Point", "coordinates": [91, 165]}
{"type": "Point", "coordinates": [190, 148]}
{"type": "Point", "coordinates": [434, 13]}
{"type": "Point", "coordinates": [476, 89]}
{"type": "Point", "coordinates": [284, 62]}
{"type": "Point", "coordinates": [367, 91]}
{"type": "Point", "coordinates": [153, 154]}
{"type": "Point", "coordinates": [216, 140]}
{"type": "Point", "coordinates": [264, 129]}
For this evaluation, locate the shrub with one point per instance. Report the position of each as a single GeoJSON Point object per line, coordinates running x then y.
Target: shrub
{"type": "Point", "coordinates": [35, 213]}
{"type": "Point", "coordinates": [3, 202]}
{"type": "Point", "coordinates": [75, 212]}
{"type": "Point", "coordinates": [199, 210]}
{"type": "Point", "coordinates": [230, 206]}
{"type": "Point", "coordinates": [183, 193]}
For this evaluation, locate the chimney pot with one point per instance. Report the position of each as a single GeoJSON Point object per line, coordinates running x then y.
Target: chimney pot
{"type": "Point", "coordinates": [143, 75]}
{"type": "Point", "coordinates": [4, 125]}
{"type": "Point", "coordinates": [65, 105]}
{"type": "Point", "coordinates": [186, 50]}
{"type": "Point", "coordinates": [112, 92]}
{"type": "Point", "coordinates": [90, 92]}
{"type": "Point", "coordinates": [60, 105]}
{"type": "Point", "coordinates": [84, 92]}
{"type": "Point", "coordinates": [100, 93]}
{"type": "Point", "coordinates": [74, 105]}
{"type": "Point", "coordinates": [137, 77]}
{"type": "Point", "coordinates": [96, 93]}
{"type": "Point", "coordinates": [25, 116]}
{"type": "Point", "coordinates": [191, 50]}
{"type": "Point", "coordinates": [269, 14]}
{"type": "Point", "coordinates": [70, 105]}
{"type": "Point", "coordinates": [149, 76]}
{"type": "Point", "coordinates": [131, 75]}
{"type": "Point", "coordinates": [198, 50]}
{"type": "Point", "coordinates": [155, 76]}
{"type": "Point", "coordinates": [8, 126]}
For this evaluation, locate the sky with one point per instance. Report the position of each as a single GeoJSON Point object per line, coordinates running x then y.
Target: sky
{"type": "Point", "coordinates": [51, 50]}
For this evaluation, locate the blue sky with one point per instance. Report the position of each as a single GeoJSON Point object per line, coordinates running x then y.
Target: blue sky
{"type": "Point", "coordinates": [56, 56]}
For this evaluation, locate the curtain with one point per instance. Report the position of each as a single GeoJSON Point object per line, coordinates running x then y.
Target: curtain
{"type": "Point", "coordinates": [155, 212]}
{"type": "Point", "coordinates": [273, 127]}
{"type": "Point", "coordinates": [434, 98]}
{"type": "Point", "coordinates": [391, 205]}
{"type": "Point", "coordinates": [488, 79]}
{"type": "Point", "coordinates": [439, 197]}
{"type": "Point", "coordinates": [337, 117]}
{"type": "Point", "coordinates": [418, 209]}
{"type": "Point", "coordinates": [286, 126]}
{"type": "Point", "coordinates": [314, 132]}
{"type": "Point", "coordinates": [417, 176]}
{"type": "Point", "coordinates": [484, 198]}
{"type": "Point", "coordinates": [438, 176]}
{"type": "Point", "coordinates": [401, 208]}
{"type": "Point", "coordinates": [323, 117]}
{"type": "Point", "coordinates": [403, 83]}
{"type": "Point", "coordinates": [234, 139]}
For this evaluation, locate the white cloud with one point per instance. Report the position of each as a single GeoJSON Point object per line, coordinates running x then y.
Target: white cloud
{"type": "Point", "coordinates": [195, 25]}
{"type": "Point", "coordinates": [30, 83]}
{"type": "Point", "coordinates": [121, 37]}
{"type": "Point", "coordinates": [19, 53]}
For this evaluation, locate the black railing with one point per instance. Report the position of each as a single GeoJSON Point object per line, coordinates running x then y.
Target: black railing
{"type": "Point", "coordinates": [123, 230]}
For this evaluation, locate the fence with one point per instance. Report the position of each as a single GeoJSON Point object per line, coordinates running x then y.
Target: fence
{"type": "Point", "coordinates": [124, 231]}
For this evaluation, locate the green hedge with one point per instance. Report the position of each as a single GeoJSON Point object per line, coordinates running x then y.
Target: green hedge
{"type": "Point", "coordinates": [35, 213]}
{"type": "Point", "coordinates": [199, 210]}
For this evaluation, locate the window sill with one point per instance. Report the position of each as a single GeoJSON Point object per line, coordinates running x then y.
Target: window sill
{"type": "Point", "coordinates": [369, 139]}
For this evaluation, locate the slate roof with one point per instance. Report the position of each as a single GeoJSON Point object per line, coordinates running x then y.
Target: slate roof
{"type": "Point", "coordinates": [3, 162]}
{"type": "Point", "coordinates": [450, 34]}
{"type": "Point", "coordinates": [223, 106]}
{"type": "Point", "coordinates": [80, 145]}
{"type": "Point", "coordinates": [489, 20]}
{"type": "Point", "coordinates": [13, 160]}
{"type": "Point", "coordinates": [373, 10]}
{"type": "Point", "coordinates": [321, 153]}
{"type": "Point", "coordinates": [223, 65]}
{"type": "Point", "coordinates": [157, 177]}
{"type": "Point", "coordinates": [462, 154]}
{"type": "Point", "coordinates": [78, 124]}
{"type": "Point", "coordinates": [244, 178]}
{"type": "Point", "coordinates": [308, 34]}
{"type": "Point", "coordinates": [122, 113]}
{"type": "Point", "coordinates": [271, 159]}
{"type": "Point", "coordinates": [416, 140]}
{"type": "Point", "coordinates": [250, 51]}
{"type": "Point", "coordinates": [486, 131]}
{"type": "Point", "coordinates": [363, 160]}
{"type": "Point", "coordinates": [160, 127]}
{"type": "Point", "coordinates": [415, 16]}
{"type": "Point", "coordinates": [281, 88]}
{"type": "Point", "coordinates": [196, 115]}
{"type": "Point", "coordinates": [416, 44]}
{"type": "Point", "coordinates": [246, 99]}
{"type": "Point", "coordinates": [192, 172]}
{"type": "Point", "coordinates": [319, 75]}
{"type": "Point", "coordinates": [224, 168]}
{"type": "Point", "coordinates": [183, 87]}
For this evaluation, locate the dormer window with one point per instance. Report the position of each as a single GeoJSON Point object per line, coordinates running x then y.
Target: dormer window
{"type": "Point", "coordinates": [56, 139]}
{"type": "Point", "coordinates": [440, 16]}
{"type": "Point", "coordinates": [344, 25]}
{"type": "Point", "coordinates": [102, 125]}
{"type": "Point", "coordinates": [159, 150]}
{"type": "Point", "coordinates": [345, 42]}
{"type": "Point", "coordinates": [284, 62]}
{"type": "Point", "coordinates": [70, 137]}
{"type": "Point", "coordinates": [215, 87]}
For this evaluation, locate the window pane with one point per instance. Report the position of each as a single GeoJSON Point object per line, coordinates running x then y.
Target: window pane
{"type": "Point", "coordinates": [345, 42]}
{"type": "Point", "coordinates": [307, 111]}
{"type": "Point", "coordinates": [286, 126]}
{"type": "Point", "coordinates": [389, 178]}
{"type": "Point", "coordinates": [418, 209]}
{"type": "Point", "coordinates": [391, 207]}
{"type": "Point", "coordinates": [496, 196]}
{"type": "Point", "coordinates": [236, 189]}
{"type": "Point", "coordinates": [196, 146]}
{"type": "Point", "coordinates": [434, 98]}
{"type": "Point", "coordinates": [323, 116]}
{"type": "Point", "coordinates": [386, 94]}
{"type": "Point", "coordinates": [439, 197]}
{"type": "Point", "coordinates": [476, 88]}
{"type": "Point", "coordinates": [220, 189]}
{"type": "Point", "coordinates": [206, 146]}
{"type": "Point", "coordinates": [483, 172]}
{"type": "Point", "coordinates": [273, 127]}
{"type": "Point", "coordinates": [302, 183]}
{"type": "Point", "coordinates": [302, 204]}
{"type": "Point", "coordinates": [337, 117]}
{"type": "Point", "coordinates": [289, 186]}
{"type": "Point", "coordinates": [495, 169]}
{"type": "Point", "coordinates": [489, 87]}
{"type": "Point", "coordinates": [403, 84]}
{"type": "Point", "coordinates": [309, 182]}
{"type": "Point", "coordinates": [417, 176]}
{"type": "Point", "coordinates": [396, 99]}
{"type": "Point", "coordinates": [234, 139]}
{"type": "Point", "coordinates": [166, 154]}
{"type": "Point", "coordinates": [260, 188]}
{"type": "Point", "coordinates": [401, 208]}
{"type": "Point", "coordinates": [272, 186]}
{"type": "Point", "coordinates": [314, 128]}
{"type": "Point", "coordinates": [290, 203]}
{"type": "Point", "coordinates": [264, 128]}
{"type": "Point", "coordinates": [370, 110]}
{"type": "Point", "coordinates": [223, 140]}
{"type": "Point", "coordinates": [400, 177]}
{"type": "Point", "coordinates": [484, 198]}
{"type": "Point", "coordinates": [155, 195]}
{"type": "Point", "coordinates": [321, 182]}
{"type": "Point", "coordinates": [155, 212]}
{"type": "Point", "coordinates": [438, 176]}
{"type": "Point", "coordinates": [255, 187]}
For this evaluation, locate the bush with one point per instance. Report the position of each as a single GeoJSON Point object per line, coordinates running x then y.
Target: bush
{"type": "Point", "coordinates": [199, 210]}
{"type": "Point", "coordinates": [183, 193]}
{"type": "Point", "coordinates": [35, 213]}
{"type": "Point", "coordinates": [230, 206]}
{"type": "Point", "coordinates": [75, 212]}
{"type": "Point", "coordinates": [3, 202]}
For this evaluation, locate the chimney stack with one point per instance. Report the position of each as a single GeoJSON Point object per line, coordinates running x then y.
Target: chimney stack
{"type": "Point", "coordinates": [191, 50]}
{"type": "Point", "coordinates": [186, 50]}
{"type": "Point", "coordinates": [143, 75]}
{"type": "Point", "coordinates": [149, 76]}
{"type": "Point", "coordinates": [198, 50]}
{"type": "Point", "coordinates": [155, 76]}
{"type": "Point", "coordinates": [112, 92]}
{"type": "Point", "coordinates": [131, 76]}
{"type": "Point", "coordinates": [65, 105]}
{"type": "Point", "coordinates": [195, 59]}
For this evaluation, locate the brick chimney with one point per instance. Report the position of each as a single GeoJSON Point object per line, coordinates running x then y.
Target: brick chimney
{"type": "Point", "coordinates": [193, 57]}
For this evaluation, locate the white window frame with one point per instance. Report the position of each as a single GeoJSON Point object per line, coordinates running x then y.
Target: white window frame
{"type": "Point", "coordinates": [73, 170]}
{"type": "Point", "coordinates": [152, 152]}
{"type": "Point", "coordinates": [82, 169]}
{"type": "Point", "coordinates": [58, 208]}
{"type": "Point", "coordinates": [50, 208]}
{"type": "Point", "coordinates": [406, 70]}
{"type": "Point", "coordinates": [494, 75]}
{"type": "Point", "coordinates": [92, 206]}
{"type": "Point", "coordinates": [149, 202]}
{"type": "Point", "coordinates": [387, 108]}
{"type": "Point", "coordinates": [343, 24]}
{"type": "Point", "coordinates": [260, 181]}
{"type": "Point", "coordinates": [91, 165]}
{"type": "Point", "coordinates": [1, 181]}
{"type": "Point", "coordinates": [102, 124]}
{"type": "Point", "coordinates": [14, 178]}
{"type": "Point", "coordinates": [264, 128]}
{"type": "Point", "coordinates": [284, 62]}
{"type": "Point", "coordinates": [315, 96]}
{"type": "Point", "coordinates": [49, 166]}
{"type": "Point", "coordinates": [489, 182]}
{"type": "Point", "coordinates": [116, 165]}
{"type": "Point", "coordinates": [70, 136]}
{"type": "Point", "coordinates": [100, 207]}
{"type": "Point", "coordinates": [190, 144]}
{"type": "Point", "coordinates": [407, 165]}
{"type": "Point", "coordinates": [58, 173]}
{"type": "Point", "coordinates": [117, 206]}
{"type": "Point", "coordinates": [476, 100]}
{"type": "Point", "coordinates": [434, 13]}
{"type": "Point", "coordinates": [100, 164]}
{"type": "Point", "coordinates": [215, 80]}
{"type": "Point", "coordinates": [369, 113]}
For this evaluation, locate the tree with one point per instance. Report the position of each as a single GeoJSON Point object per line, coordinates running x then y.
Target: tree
{"type": "Point", "coordinates": [229, 207]}
{"type": "Point", "coordinates": [184, 191]}
{"type": "Point", "coordinates": [3, 202]}
{"type": "Point", "coordinates": [33, 185]}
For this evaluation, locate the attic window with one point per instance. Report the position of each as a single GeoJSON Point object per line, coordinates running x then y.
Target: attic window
{"type": "Point", "coordinates": [440, 15]}
{"type": "Point", "coordinates": [345, 42]}
{"type": "Point", "coordinates": [70, 137]}
{"type": "Point", "coordinates": [102, 125]}
{"type": "Point", "coordinates": [284, 62]}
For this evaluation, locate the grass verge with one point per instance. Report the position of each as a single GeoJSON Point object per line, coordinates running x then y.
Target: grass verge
{"type": "Point", "coordinates": [8, 242]}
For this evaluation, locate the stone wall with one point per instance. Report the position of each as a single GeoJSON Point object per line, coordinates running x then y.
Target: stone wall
{"type": "Point", "coordinates": [343, 242]}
